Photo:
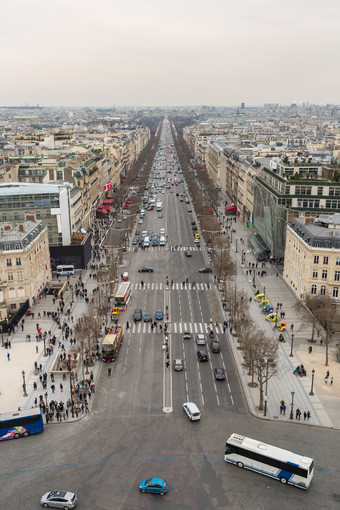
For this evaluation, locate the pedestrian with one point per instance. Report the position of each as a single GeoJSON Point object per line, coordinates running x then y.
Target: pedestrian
{"type": "Point", "coordinates": [310, 349]}
{"type": "Point", "coordinates": [284, 409]}
{"type": "Point", "coordinates": [326, 379]}
{"type": "Point", "coordinates": [61, 387]}
{"type": "Point", "coordinates": [292, 327]}
{"type": "Point", "coordinates": [308, 415]}
{"type": "Point", "coordinates": [304, 415]}
{"type": "Point", "coordinates": [109, 370]}
{"type": "Point", "coordinates": [331, 380]}
{"type": "Point", "coordinates": [8, 356]}
{"type": "Point", "coordinates": [52, 388]}
{"type": "Point", "coordinates": [298, 414]}
{"type": "Point", "coordinates": [127, 325]}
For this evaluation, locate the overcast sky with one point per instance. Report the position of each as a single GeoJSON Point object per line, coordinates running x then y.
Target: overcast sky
{"type": "Point", "coordinates": [169, 52]}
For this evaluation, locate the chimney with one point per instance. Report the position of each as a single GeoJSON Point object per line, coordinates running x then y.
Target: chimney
{"type": "Point", "coordinates": [21, 227]}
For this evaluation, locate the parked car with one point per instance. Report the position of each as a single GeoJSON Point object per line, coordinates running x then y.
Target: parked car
{"type": "Point", "coordinates": [205, 269]}
{"type": "Point", "coordinates": [145, 269]}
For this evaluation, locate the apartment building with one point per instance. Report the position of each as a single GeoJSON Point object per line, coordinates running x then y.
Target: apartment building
{"type": "Point", "coordinates": [24, 263]}
{"type": "Point", "coordinates": [312, 255]}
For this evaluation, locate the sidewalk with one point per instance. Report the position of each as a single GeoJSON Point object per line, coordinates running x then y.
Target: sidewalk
{"type": "Point", "coordinates": [23, 354]}
{"type": "Point", "coordinates": [324, 404]}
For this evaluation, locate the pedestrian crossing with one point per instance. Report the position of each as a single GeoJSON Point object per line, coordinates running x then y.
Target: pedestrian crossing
{"type": "Point", "coordinates": [175, 286]}
{"type": "Point", "coordinates": [168, 248]}
{"type": "Point", "coordinates": [176, 327]}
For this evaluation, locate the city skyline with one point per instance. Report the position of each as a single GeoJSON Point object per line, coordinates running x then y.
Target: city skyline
{"type": "Point", "coordinates": [151, 54]}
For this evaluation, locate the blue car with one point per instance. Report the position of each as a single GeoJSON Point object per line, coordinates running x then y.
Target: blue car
{"type": "Point", "coordinates": [155, 485]}
{"type": "Point", "coordinates": [159, 315]}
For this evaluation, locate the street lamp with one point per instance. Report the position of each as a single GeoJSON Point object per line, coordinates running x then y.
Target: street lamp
{"type": "Point", "coordinates": [291, 416]}
{"type": "Point", "coordinates": [24, 384]}
{"type": "Point", "coordinates": [311, 390]}
{"type": "Point", "coordinates": [291, 346]}
{"type": "Point", "coordinates": [46, 395]}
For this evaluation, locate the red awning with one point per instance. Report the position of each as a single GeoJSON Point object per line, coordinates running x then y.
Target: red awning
{"type": "Point", "coordinates": [231, 208]}
{"type": "Point", "coordinates": [108, 201]}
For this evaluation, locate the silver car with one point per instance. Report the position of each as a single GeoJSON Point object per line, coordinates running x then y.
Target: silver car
{"type": "Point", "coordinates": [200, 339]}
{"type": "Point", "coordinates": [59, 499]}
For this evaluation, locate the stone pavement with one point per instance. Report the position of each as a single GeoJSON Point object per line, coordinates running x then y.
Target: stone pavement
{"type": "Point", "coordinates": [23, 354]}
{"type": "Point", "coordinates": [324, 405]}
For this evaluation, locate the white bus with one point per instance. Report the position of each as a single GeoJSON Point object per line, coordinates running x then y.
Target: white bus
{"type": "Point", "coordinates": [65, 270]}
{"type": "Point", "coordinates": [269, 460]}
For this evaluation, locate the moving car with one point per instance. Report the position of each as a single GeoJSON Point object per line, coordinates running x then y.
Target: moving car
{"type": "Point", "coordinates": [186, 335]}
{"type": "Point", "coordinates": [145, 269]}
{"type": "Point", "coordinates": [178, 364]}
{"type": "Point", "coordinates": [160, 215]}
{"type": "Point", "coordinates": [59, 499]}
{"type": "Point", "coordinates": [205, 270]}
{"type": "Point", "coordinates": [159, 315]}
{"type": "Point", "coordinates": [135, 241]}
{"type": "Point", "coordinates": [215, 346]}
{"type": "Point", "coordinates": [192, 411]}
{"type": "Point", "coordinates": [188, 253]}
{"type": "Point", "coordinates": [155, 485]}
{"type": "Point", "coordinates": [200, 339]}
{"type": "Point", "coordinates": [219, 374]}
{"type": "Point", "coordinates": [194, 227]}
{"type": "Point", "coordinates": [202, 356]}
{"type": "Point", "coordinates": [137, 314]}
{"type": "Point", "coordinates": [147, 317]}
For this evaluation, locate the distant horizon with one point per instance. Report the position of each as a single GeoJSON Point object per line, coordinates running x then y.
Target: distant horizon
{"type": "Point", "coordinates": [238, 106]}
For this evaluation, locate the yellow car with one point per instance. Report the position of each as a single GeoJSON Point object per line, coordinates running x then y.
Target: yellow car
{"type": "Point", "coordinates": [197, 236]}
{"type": "Point", "coordinates": [264, 302]}
{"type": "Point", "coordinates": [260, 297]}
{"type": "Point", "coordinates": [115, 311]}
{"type": "Point", "coordinates": [273, 317]}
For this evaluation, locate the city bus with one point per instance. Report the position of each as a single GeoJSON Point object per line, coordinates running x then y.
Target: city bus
{"type": "Point", "coordinates": [123, 295]}
{"type": "Point", "coordinates": [269, 460]}
{"type": "Point", "coordinates": [20, 424]}
{"type": "Point", "coordinates": [65, 270]}
{"type": "Point", "coordinates": [111, 343]}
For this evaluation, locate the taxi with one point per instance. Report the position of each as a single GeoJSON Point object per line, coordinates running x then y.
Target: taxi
{"type": "Point", "coordinates": [115, 311]}
{"type": "Point", "coordinates": [197, 236]}
{"type": "Point", "coordinates": [260, 297]}
{"type": "Point", "coordinates": [273, 317]}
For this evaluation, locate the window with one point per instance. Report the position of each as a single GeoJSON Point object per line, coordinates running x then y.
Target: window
{"type": "Point", "coordinates": [7, 247]}
{"type": "Point", "coordinates": [316, 259]}
{"type": "Point", "coordinates": [19, 275]}
{"type": "Point", "coordinates": [324, 274]}
{"type": "Point", "coordinates": [337, 262]}
{"type": "Point", "coordinates": [323, 290]}
{"type": "Point", "coordinates": [335, 292]}
{"type": "Point", "coordinates": [9, 262]}
{"type": "Point", "coordinates": [18, 261]}
{"type": "Point", "coordinates": [325, 260]}
{"type": "Point", "coordinates": [313, 289]}
{"type": "Point", "coordinates": [10, 277]}
{"type": "Point", "coordinates": [315, 273]}
{"type": "Point", "coordinates": [337, 276]}
{"type": "Point", "coordinates": [320, 190]}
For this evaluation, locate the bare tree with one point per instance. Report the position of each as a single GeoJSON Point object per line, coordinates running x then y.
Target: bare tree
{"type": "Point", "coordinates": [324, 312]}
{"type": "Point", "coordinates": [225, 267]}
{"type": "Point", "coordinates": [260, 354]}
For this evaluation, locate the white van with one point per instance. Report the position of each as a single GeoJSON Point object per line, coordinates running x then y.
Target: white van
{"type": "Point", "coordinates": [162, 241]}
{"type": "Point", "coordinates": [192, 411]}
{"type": "Point", "coordinates": [146, 242]}
{"type": "Point", "coordinates": [65, 270]}
{"type": "Point", "coordinates": [162, 232]}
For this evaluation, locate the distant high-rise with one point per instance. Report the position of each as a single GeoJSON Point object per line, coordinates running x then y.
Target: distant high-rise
{"type": "Point", "coordinates": [243, 105]}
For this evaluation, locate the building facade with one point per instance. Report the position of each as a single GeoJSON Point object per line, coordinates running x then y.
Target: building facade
{"type": "Point", "coordinates": [24, 264]}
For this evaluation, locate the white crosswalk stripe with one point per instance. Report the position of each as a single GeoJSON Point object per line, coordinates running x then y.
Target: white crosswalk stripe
{"type": "Point", "coordinates": [178, 327]}
{"type": "Point", "coordinates": [176, 286]}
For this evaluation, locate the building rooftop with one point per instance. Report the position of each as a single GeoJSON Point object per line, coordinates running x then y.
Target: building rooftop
{"type": "Point", "coordinates": [316, 235]}
{"type": "Point", "coordinates": [16, 236]}
{"type": "Point", "coordinates": [25, 188]}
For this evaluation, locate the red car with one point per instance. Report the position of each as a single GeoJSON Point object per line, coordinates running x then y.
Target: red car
{"type": "Point", "coordinates": [150, 209]}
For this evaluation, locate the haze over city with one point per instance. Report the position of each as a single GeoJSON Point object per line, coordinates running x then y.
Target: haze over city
{"type": "Point", "coordinates": [106, 53]}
